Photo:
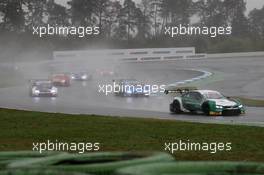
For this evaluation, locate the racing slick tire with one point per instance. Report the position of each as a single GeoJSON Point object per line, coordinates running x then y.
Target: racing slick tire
{"type": "Point", "coordinates": [206, 108]}
{"type": "Point", "coordinates": [175, 107]}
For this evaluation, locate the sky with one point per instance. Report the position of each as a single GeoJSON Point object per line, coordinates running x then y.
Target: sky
{"type": "Point", "coordinates": [251, 4]}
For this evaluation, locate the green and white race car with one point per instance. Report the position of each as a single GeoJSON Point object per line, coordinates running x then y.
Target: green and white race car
{"type": "Point", "coordinates": [209, 102]}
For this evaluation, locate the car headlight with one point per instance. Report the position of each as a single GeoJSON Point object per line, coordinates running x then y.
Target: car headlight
{"type": "Point", "coordinates": [36, 91]}
{"type": "Point", "coordinates": [240, 106]}
{"type": "Point", "coordinates": [84, 76]}
{"type": "Point", "coordinates": [219, 107]}
{"type": "Point", "coordinates": [53, 90]}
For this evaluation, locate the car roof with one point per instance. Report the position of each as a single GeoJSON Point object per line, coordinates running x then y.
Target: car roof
{"type": "Point", "coordinates": [39, 82]}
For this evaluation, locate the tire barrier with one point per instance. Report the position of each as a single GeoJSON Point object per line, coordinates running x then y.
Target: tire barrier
{"type": "Point", "coordinates": [94, 163]}
{"type": "Point", "coordinates": [118, 163]}
{"type": "Point", "coordinates": [24, 154]}
{"type": "Point", "coordinates": [37, 172]}
{"type": "Point", "coordinates": [11, 156]}
{"type": "Point", "coordinates": [195, 168]}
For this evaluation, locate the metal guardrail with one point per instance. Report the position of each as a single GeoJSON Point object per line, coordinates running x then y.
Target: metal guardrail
{"type": "Point", "coordinates": [236, 55]}
{"type": "Point", "coordinates": [147, 55]}
{"type": "Point", "coordinates": [164, 58]}
{"type": "Point", "coordinates": [126, 54]}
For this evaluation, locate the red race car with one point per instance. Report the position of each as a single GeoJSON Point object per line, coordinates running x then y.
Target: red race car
{"type": "Point", "coordinates": [61, 80]}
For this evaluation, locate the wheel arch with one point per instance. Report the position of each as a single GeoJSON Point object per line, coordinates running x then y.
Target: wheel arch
{"type": "Point", "coordinates": [179, 99]}
{"type": "Point", "coordinates": [210, 104]}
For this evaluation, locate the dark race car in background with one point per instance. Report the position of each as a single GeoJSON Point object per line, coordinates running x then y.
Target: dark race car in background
{"type": "Point", "coordinates": [42, 88]}
{"type": "Point", "coordinates": [81, 76]}
{"type": "Point", "coordinates": [105, 72]}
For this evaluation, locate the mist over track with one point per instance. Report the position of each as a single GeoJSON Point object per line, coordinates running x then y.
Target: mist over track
{"type": "Point", "coordinates": [231, 76]}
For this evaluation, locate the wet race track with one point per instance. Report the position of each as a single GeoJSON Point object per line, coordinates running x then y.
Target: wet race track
{"type": "Point", "coordinates": [231, 76]}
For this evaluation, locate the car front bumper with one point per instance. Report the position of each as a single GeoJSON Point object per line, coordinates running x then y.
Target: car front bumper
{"type": "Point", "coordinates": [227, 112]}
{"type": "Point", "coordinates": [61, 83]}
{"type": "Point", "coordinates": [45, 94]}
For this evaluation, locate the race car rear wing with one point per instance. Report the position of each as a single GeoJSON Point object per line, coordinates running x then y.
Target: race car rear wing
{"type": "Point", "coordinates": [179, 90]}
{"type": "Point", "coordinates": [33, 82]}
{"type": "Point", "coordinates": [38, 80]}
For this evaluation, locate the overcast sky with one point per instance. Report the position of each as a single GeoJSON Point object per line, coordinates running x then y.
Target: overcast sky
{"type": "Point", "coordinates": [251, 4]}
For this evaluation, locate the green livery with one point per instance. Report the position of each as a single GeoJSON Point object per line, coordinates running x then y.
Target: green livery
{"type": "Point", "coordinates": [206, 101]}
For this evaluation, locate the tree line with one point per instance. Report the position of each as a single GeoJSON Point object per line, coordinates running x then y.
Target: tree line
{"type": "Point", "coordinates": [143, 23]}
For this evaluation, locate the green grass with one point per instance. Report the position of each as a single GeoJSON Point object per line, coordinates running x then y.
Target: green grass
{"type": "Point", "coordinates": [251, 102]}
{"type": "Point", "coordinates": [19, 129]}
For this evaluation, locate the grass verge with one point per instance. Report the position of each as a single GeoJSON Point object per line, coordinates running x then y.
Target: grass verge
{"type": "Point", "coordinates": [19, 129]}
{"type": "Point", "coordinates": [251, 102]}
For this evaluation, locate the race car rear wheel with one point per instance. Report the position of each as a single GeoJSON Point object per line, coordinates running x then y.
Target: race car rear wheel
{"type": "Point", "coordinates": [175, 107]}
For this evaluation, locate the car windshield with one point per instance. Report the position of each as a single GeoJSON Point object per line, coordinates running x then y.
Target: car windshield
{"type": "Point", "coordinates": [213, 95]}
{"type": "Point", "coordinates": [58, 76]}
{"type": "Point", "coordinates": [78, 73]}
{"type": "Point", "coordinates": [45, 85]}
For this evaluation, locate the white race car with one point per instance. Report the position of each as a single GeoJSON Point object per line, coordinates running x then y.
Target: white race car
{"type": "Point", "coordinates": [43, 88]}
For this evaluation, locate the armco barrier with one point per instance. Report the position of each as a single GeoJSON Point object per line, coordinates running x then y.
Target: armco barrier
{"type": "Point", "coordinates": [123, 53]}
{"type": "Point", "coordinates": [196, 56]}
{"type": "Point", "coordinates": [151, 58]}
{"type": "Point", "coordinates": [147, 54]}
{"type": "Point", "coordinates": [236, 55]}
